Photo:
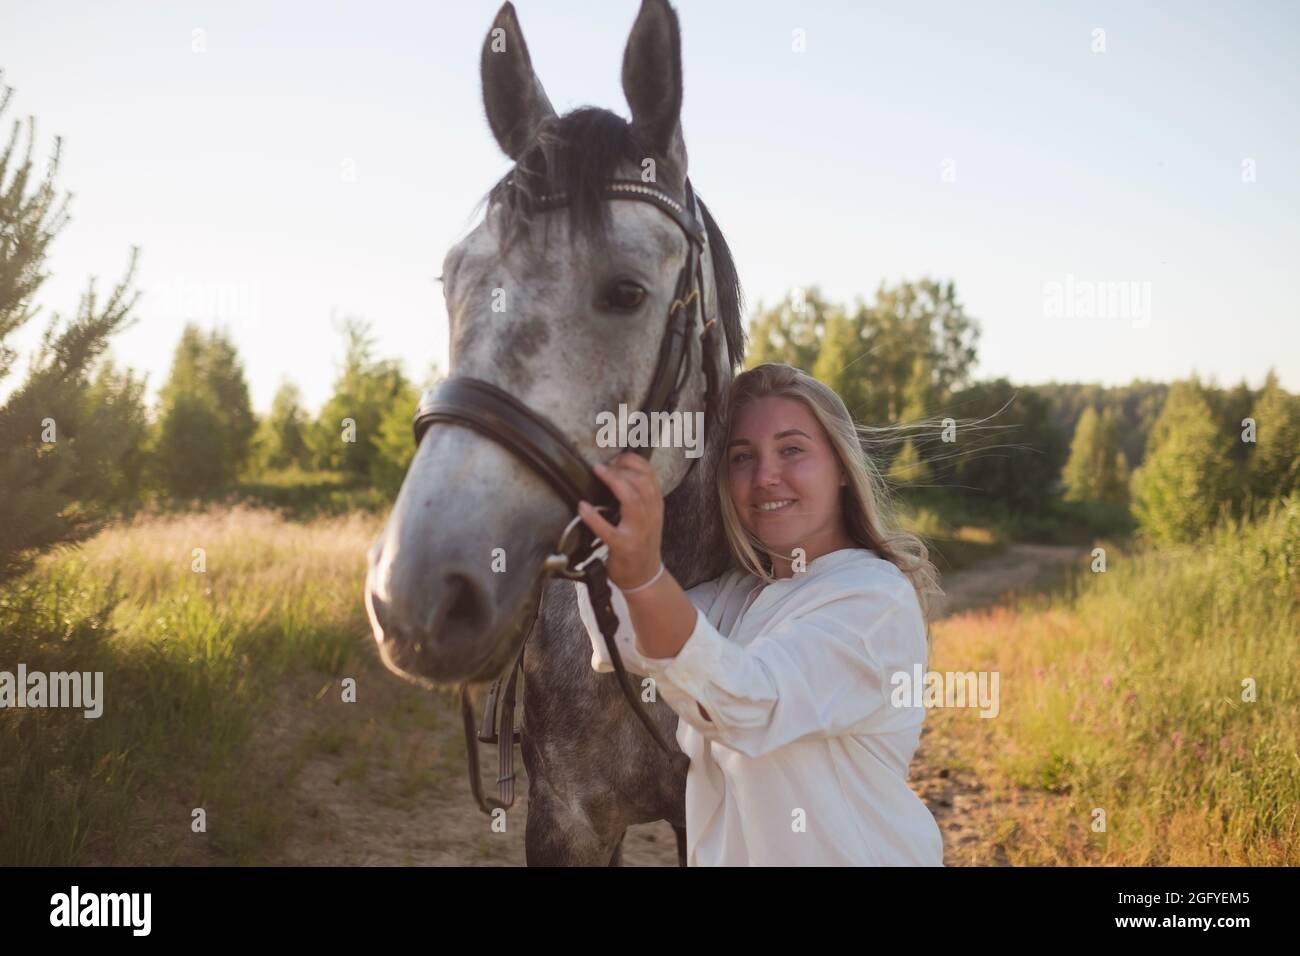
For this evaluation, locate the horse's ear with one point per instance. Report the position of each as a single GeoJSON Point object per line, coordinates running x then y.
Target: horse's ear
{"type": "Point", "coordinates": [512, 94]}
{"type": "Point", "coordinates": [652, 83]}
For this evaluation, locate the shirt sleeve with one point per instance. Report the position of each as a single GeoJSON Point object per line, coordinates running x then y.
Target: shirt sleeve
{"type": "Point", "coordinates": [702, 596]}
{"type": "Point", "coordinates": [824, 672]}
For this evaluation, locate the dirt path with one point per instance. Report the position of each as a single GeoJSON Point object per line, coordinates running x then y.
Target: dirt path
{"type": "Point", "coordinates": [965, 811]}
{"type": "Point", "coordinates": [383, 780]}
{"type": "Point", "coordinates": [1019, 567]}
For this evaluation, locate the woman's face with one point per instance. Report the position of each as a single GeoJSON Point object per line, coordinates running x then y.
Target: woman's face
{"type": "Point", "coordinates": [778, 453]}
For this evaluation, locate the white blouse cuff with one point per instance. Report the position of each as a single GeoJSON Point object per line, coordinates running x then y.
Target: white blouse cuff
{"type": "Point", "coordinates": [699, 658]}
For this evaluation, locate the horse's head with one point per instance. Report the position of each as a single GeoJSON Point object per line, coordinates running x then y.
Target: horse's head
{"type": "Point", "coordinates": [563, 308]}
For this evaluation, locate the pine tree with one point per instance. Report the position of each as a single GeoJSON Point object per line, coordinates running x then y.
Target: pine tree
{"type": "Point", "coordinates": [1273, 468]}
{"type": "Point", "coordinates": [205, 421]}
{"type": "Point", "coordinates": [1082, 472]}
{"type": "Point", "coordinates": [281, 439]}
{"type": "Point", "coordinates": [115, 403]}
{"type": "Point", "coordinates": [1112, 488]}
{"type": "Point", "coordinates": [1096, 469]}
{"type": "Point", "coordinates": [1186, 472]}
{"type": "Point", "coordinates": [347, 433]}
{"type": "Point", "coordinates": [49, 445]}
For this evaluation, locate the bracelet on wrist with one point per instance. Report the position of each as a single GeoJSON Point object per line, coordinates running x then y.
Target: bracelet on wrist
{"type": "Point", "coordinates": [642, 587]}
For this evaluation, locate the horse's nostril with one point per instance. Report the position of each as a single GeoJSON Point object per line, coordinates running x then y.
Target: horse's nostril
{"type": "Point", "coordinates": [467, 608]}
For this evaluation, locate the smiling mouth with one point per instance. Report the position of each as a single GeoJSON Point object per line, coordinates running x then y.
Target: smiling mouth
{"type": "Point", "coordinates": [774, 507]}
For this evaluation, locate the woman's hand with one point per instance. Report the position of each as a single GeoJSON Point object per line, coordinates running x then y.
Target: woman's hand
{"type": "Point", "coordinates": [635, 543]}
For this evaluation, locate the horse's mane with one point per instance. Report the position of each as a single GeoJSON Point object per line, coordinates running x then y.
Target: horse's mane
{"type": "Point", "coordinates": [576, 154]}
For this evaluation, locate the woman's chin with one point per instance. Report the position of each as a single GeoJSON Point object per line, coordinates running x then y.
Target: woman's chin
{"type": "Point", "coordinates": [781, 542]}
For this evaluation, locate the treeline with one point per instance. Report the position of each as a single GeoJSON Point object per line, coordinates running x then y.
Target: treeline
{"type": "Point", "coordinates": [206, 440]}
{"type": "Point", "coordinates": [1049, 460]}
{"type": "Point", "coordinates": [203, 439]}
{"type": "Point", "coordinates": [1135, 406]}
{"type": "Point", "coordinates": [85, 443]}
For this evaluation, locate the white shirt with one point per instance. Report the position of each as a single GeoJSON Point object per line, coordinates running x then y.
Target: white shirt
{"type": "Point", "coordinates": [805, 759]}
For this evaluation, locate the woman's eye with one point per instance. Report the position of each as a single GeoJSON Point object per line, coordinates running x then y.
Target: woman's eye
{"type": "Point", "coordinates": [623, 296]}
{"type": "Point", "coordinates": [740, 456]}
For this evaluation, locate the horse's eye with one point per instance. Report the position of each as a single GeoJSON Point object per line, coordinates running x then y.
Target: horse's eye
{"type": "Point", "coordinates": [623, 296]}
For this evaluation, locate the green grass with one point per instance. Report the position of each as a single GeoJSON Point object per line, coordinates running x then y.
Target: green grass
{"type": "Point", "coordinates": [1125, 693]}
{"type": "Point", "coordinates": [191, 661]}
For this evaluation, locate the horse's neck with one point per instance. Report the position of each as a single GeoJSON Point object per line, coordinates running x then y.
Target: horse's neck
{"type": "Point", "coordinates": [694, 551]}
{"type": "Point", "coordinates": [694, 545]}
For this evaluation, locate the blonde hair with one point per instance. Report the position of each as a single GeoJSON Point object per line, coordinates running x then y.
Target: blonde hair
{"type": "Point", "coordinates": [865, 502]}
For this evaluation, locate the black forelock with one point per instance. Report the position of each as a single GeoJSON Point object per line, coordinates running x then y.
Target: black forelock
{"type": "Point", "coordinates": [576, 154]}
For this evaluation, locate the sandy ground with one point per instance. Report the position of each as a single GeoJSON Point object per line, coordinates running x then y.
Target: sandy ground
{"type": "Point", "coordinates": [383, 780]}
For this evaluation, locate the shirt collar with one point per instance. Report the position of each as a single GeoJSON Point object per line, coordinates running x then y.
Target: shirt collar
{"type": "Point", "coordinates": [826, 562]}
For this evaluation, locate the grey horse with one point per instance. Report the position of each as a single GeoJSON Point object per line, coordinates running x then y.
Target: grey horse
{"type": "Point", "coordinates": [566, 310]}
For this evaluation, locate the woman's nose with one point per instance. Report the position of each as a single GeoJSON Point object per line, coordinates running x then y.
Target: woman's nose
{"type": "Point", "coordinates": [768, 473]}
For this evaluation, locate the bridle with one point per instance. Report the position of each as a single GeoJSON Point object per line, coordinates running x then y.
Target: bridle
{"type": "Point", "coordinates": [495, 413]}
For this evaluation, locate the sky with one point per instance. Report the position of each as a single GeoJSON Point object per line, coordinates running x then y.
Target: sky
{"type": "Point", "coordinates": [284, 165]}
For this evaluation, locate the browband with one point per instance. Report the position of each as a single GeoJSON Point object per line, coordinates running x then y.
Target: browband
{"type": "Point", "coordinates": [631, 189]}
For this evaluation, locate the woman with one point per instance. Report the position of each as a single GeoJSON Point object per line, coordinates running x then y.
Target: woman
{"type": "Point", "coordinates": [780, 670]}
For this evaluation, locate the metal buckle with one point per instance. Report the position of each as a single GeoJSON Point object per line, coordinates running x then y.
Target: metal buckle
{"type": "Point", "coordinates": [560, 563]}
{"type": "Point", "coordinates": [683, 303]}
